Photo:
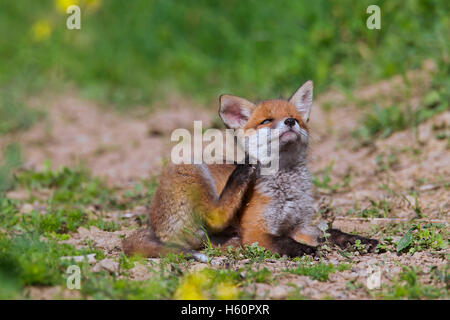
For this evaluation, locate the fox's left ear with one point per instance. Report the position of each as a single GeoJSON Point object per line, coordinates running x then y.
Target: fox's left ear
{"type": "Point", "coordinates": [302, 99]}
{"type": "Point", "coordinates": [235, 111]}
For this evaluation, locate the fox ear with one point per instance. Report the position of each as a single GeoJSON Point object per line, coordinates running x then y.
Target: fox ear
{"type": "Point", "coordinates": [235, 111]}
{"type": "Point", "coordinates": [302, 99]}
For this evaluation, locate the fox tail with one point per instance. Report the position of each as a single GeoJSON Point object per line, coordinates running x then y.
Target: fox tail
{"type": "Point", "coordinates": [147, 244]}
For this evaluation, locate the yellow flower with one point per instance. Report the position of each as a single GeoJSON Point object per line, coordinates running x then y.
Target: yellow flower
{"type": "Point", "coordinates": [41, 30]}
{"type": "Point", "coordinates": [201, 278]}
{"type": "Point", "coordinates": [204, 284]}
{"type": "Point", "coordinates": [62, 5]}
{"type": "Point", "coordinates": [227, 291]}
{"type": "Point", "coordinates": [188, 291]}
{"type": "Point", "coordinates": [194, 286]}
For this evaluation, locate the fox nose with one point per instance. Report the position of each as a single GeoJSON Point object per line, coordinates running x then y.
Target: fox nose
{"type": "Point", "coordinates": [289, 122]}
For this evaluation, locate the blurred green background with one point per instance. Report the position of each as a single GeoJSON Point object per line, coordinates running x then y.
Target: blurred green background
{"type": "Point", "coordinates": [130, 53]}
{"type": "Point", "coordinates": [133, 52]}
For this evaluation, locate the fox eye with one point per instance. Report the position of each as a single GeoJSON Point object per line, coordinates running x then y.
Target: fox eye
{"type": "Point", "coordinates": [267, 121]}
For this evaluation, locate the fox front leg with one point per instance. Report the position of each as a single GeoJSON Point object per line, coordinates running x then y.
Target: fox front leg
{"type": "Point", "coordinates": [221, 210]}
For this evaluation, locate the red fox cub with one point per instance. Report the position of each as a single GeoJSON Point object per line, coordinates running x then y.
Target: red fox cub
{"type": "Point", "coordinates": [274, 210]}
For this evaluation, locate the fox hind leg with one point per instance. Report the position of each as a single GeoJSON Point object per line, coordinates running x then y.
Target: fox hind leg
{"type": "Point", "coordinates": [311, 236]}
{"type": "Point", "coordinates": [344, 240]}
{"type": "Point", "coordinates": [144, 242]}
{"type": "Point", "coordinates": [283, 245]}
{"type": "Point", "coordinates": [174, 234]}
{"type": "Point", "coordinates": [287, 246]}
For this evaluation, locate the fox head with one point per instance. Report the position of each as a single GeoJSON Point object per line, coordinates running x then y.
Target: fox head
{"type": "Point", "coordinates": [284, 120]}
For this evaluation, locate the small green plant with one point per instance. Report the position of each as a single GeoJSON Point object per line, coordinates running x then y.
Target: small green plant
{"type": "Point", "coordinates": [407, 285]}
{"type": "Point", "coordinates": [57, 221]}
{"type": "Point", "coordinates": [254, 252]}
{"type": "Point", "coordinates": [424, 237]}
{"type": "Point", "coordinates": [259, 276]}
{"type": "Point", "coordinates": [385, 244]}
{"type": "Point", "coordinates": [386, 162]}
{"type": "Point", "coordinates": [324, 182]}
{"type": "Point", "coordinates": [416, 206]}
{"type": "Point", "coordinates": [172, 258]}
{"type": "Point", "coordinates": [319, 271]}
{"type": "Point", "coordinates": [103, 286]}
{"type": "Point", "coordinates": [68, 186]}
{"type": "Point", "coordinates": [53, 222]}
{"type": "Point", "coordinates": [36, 262]}
{"type": "Point", "coordinates": [353, 285]}
{"type": "Point", "coordinates": [377, 209]}
{"type": "Point", "coordinates": [382, 122]}
{"type": "Point", "coordinates": [15, 115]}
{"type": "Point", "coordinates": [296, 294]}
{"type": "Point", "coordinates": [141, 194]}
{"type": "Point", "coordinates": [360, 247]}
{"type": "Point", "coordinates": [11, 159]}
{"type": "Point", "coordinates": [104, 224]}
{"type": "Point", "coordinates": [127, 263]}
{"type": "Point", "coordinates": [441, 275]}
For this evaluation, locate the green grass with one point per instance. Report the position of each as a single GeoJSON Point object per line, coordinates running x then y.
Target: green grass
{"type": "Point", "coordinates": [31, 231]}
{"type": "Point", "coordinates": [57, 221]}
{"type": "Point", "coordinates": [407, 285]}
{"type": "Point", "coordinates": [14, 114]}
{"type": "Point", "coordinates": [263, 275]}
{"type": "Point", "coordinates": [322, 180]}
{"type": "Point", "coordinates": [36, 262]}
{"type": "Point", "coordinates": [69, 186]}
{"type": "Point", "coordinates": [99, 287]}
{"type": "Point", "coordinates": [253, 252]}
{"type": "Point", "coordinates": [381, 122]}
{"type": "Point", "coordinates": [67, 198]}
{"type": "Point", "coordinates": [377, 209]}
{"type": "Point", "coordinates": [430, 236]}
{"type": "Point", "coordinates": [26, 260]}
{"type": "Point", "coordinates": [11, 159]}
{"type": "Point", "coordinates": [386, 162]}
{"type": "Point", "coordinates": [418, 237]}
{"type": "Point", "coordinates": [319, 271]}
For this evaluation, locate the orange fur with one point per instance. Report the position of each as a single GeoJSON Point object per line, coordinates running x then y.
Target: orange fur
{"type": "Point", "coordinates": [274, 109]}
{"type": "Point", "coordinates": [252, 222]}
{"type": "Point", "coordinates": [305, 238]}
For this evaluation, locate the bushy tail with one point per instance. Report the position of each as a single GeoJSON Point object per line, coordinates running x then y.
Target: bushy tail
{"type": "Point", "coordinates": [147, 244]}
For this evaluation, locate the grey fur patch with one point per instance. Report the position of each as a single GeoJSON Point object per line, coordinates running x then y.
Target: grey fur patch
{"type": "Point", "coordinates": [290, 190]}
